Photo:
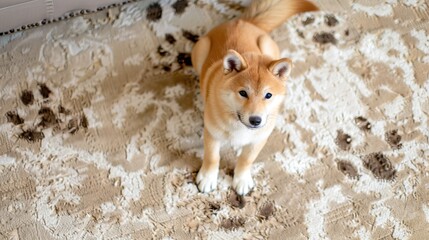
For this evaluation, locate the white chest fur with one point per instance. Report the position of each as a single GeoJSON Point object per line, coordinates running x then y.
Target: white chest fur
{"type": "Point", "coordinates": [243, 136]}
{"type": "Point", "coordinates": [239, 135]}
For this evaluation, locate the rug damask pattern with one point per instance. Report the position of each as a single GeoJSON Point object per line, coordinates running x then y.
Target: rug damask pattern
{"type": "Point", "coordinates": [101, 128]}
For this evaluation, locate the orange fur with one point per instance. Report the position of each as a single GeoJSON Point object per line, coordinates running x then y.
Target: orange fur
{"type": "Point", "coordinates": [235, 57]}
{"type": "Point", "coordinates": [268, 15]}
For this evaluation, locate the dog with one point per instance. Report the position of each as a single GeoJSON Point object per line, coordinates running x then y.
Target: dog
{"type": "Point", "coordinates": [242, 82]}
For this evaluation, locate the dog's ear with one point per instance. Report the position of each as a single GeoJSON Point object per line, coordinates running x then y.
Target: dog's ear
{"type": "Point", "coordinates": [233, 61]}
{"type": "Point", "coordinates": [281, 68]}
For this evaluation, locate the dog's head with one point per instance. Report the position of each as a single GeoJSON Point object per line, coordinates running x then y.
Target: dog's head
{"type": "Point", "coordinates": [254, 86]}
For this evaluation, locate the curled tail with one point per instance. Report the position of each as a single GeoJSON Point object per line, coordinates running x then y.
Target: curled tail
{"type": "Point", "coordinates": [269, 14]}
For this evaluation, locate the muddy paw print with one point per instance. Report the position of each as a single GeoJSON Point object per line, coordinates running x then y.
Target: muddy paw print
{"type": "Point", "coordinates": [31, 135]}
{"type": "Point", "coordinates": [379, 165]}
{"type": "Point", "coordinates": [348, 169]}
{"type": "Point", "coordinates": [179, 6]}
{"type": "Point", "coordinates": [377, 162]}
{"type": "Point", "coordinates": [213, 207]}
{"type": "Point", "coordinates": [47, 118]}
{"type": "Point", "coordinates": [363, 124]}
{"type": "Point", "coordinates": [14, 118]}
{"type": "Point", "coordinates": [48, 115]}
{"type": "Point", "coordinates": [236, 200]}
{"type": "Point", "coordinates": [44, 90]}
{"type": "Point", "coordinates": [393, 139]}
{"type": "Point", "coordinates": [323, 29]}
{"type": "Point", "coordinates": [331, 20]}
{"type": "Point", "coordinates": [27, 97]}
{"type": "Point", "coordinates": [343, 140]}
{"type": "Point", "coordinates": [266, 210]}
{"type": "Point", "coordinates": [325, 37]}
{"type": "Point", "coordinates": [174, 53]}
{"type": "Point", "coordinates": [232, 223]}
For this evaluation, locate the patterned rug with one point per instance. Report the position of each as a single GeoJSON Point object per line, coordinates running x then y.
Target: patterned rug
{"type": "Point", "coordinates": [101, 128]}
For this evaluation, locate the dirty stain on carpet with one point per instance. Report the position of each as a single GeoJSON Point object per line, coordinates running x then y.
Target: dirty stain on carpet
{"type": "Point", "coordinates": [101, 128]}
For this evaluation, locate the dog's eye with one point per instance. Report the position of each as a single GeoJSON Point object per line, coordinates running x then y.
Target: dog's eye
{"type": "Point", "coordinates": [268, 95]}
{"type": "Point", "coordinates": [243, 93]}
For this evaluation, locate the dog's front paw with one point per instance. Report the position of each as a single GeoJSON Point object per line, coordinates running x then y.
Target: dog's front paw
{"type": "Point", "coordinates": [207, 180]}
{"type": "Point", "coordinates": [243, 183]}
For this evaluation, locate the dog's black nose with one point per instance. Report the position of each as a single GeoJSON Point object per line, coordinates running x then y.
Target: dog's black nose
{"type": "Point", "coordinates": [255, 120]}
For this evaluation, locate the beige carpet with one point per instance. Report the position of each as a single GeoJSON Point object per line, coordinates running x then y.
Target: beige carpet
{"type": "Point", "coordinates": [101, 128]}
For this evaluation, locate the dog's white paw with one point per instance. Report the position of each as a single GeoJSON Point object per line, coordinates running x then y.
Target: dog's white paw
{"type": "Point", "coordinates": [207, 180]}
{"type": "Point", "coordinates": [243, 183]}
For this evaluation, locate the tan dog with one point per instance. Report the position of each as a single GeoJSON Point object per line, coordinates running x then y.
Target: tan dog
{"type": "Point", "coordinates": [242, 83]}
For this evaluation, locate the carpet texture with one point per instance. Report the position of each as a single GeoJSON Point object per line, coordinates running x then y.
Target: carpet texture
{"type": "Point", "coordinates": [101, 128]}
